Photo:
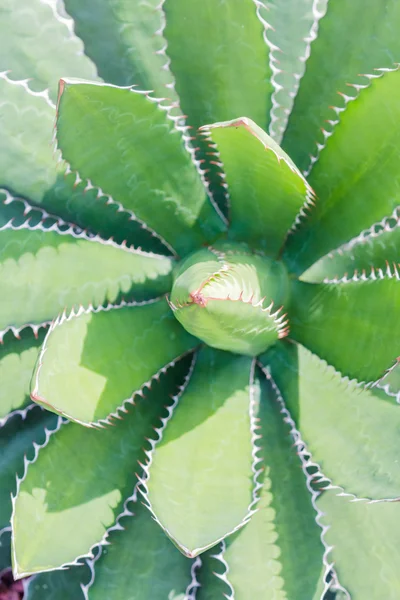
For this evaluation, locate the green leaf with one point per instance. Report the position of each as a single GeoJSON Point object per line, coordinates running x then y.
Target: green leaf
{"type": "Point", "coordinates": [17, 361]}
{"type": "Point", "coordinates": [37, 281]}
{"type": "Point", "coordinates": [125, 41]}
{"type": "Point", "coordinates": [212, 575]}
{"type": "Point", "coordinates": [266, 190]}
{"type": "Point", "coordinates": [391, 382]}
{"type": "Point", "coordinates": [356, 177]}
{"type": "Point", "coordinates": [372, 248]}
{"type": "Point", "coordinates": [29, 169]}
{"type": "Point", "coordinates": [341, 423]}
{"type": "Point", "coordinates": [132, 148]}
{"type": "Point", "coordinates": [5, 548]}
{"type": "Point", "coordinates": [58, 585]}
{"type": "Point", "coordinates": [365, 540]}
{"type": "Point", "coordinates": [293, 25]}
{"type": "Point", "coordinates": [82, 373]}
{"type": "Point", "coordinates": [199, 479]}
{"type": "Point", "coordinates": [17, 437]}
{"type": "Point", "coordinates": [223, 72]}
{"type": "Point", "coordinates": [134, 547]}
{"type": "Point", "coordinates": [279, 553]}
{"type": "Point", "coordinates": [352, 323]}
{"type": "Point", "coordinates": [80, 480]}
{"type": "Point", "coordinates": [368, 40]}
{"type": "Point", "coordinates": [39, 43]}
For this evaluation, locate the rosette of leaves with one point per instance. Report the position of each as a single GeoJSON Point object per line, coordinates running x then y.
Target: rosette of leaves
{"type": "Point", "coordinates": [211, 310]}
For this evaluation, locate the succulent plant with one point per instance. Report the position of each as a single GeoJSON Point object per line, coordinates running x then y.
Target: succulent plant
{"type": "Point", "coordinates": [205, 314]}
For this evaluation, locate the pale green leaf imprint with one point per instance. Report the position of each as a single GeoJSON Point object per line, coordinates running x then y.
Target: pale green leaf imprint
{"type": "Point", "coordinates": [80, 480]}
{"type": "Point", "coordinates": [81, 372]}
{"type": "Point", "coordinates": [364, 538]}
{"type": "Point", "coordinates": [341, 422]}
{"type": "Point", "coordinates": [198, 498]}
{"type": "Point", "coordinates": [39, 43]}
{"type": "Point", "coordinates": [231, 298]}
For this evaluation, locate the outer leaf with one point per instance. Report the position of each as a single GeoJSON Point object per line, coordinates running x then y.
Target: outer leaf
{"type": "Point", "coordinates": [28, 168]}
{"type": "Point", "coordinates": [340, 422]}
{"type": "Point", "coordinates": [125, 41]}
{"type": "Point", "coordinates": [356, 177]}
{"type": "Point", "coordinates": [266, 190]}
{"type": "Point", "coordinates": [391, 383]}
{"type": "Point", "coordinates": [373, 247]}
{"type": "Point", "coordinates": [37, 281]}
{"type": "Point", "coordinates": [139, 562]}
{"type": "Point", "coordinates": [81, 372]}
{"type": "Point", "coordinates": [212, 575]}
{"type": "Point", "coordinates": [368, 40]}
{"type": "Point", "coordinates": [353, 324]}
{"type": "Point", "coordinates": [223, 72]}
{"type": "Point", "coordinates": [17, 361]}
{"type": "Point", "coordinates": [58, 585]}
{"type": "Point", "coordinates": [130, 146]}
{"type": "Point", "coordinates": [16, 439]}
{"type": "Point", "coordinates": [279, 553]}
{"type": "Point", "coordinates": [293, 26]}
{"type": "Point", "coordinates": [5, 548]}
{"type": "Point", "coordinates": [79, 482]}
{"type": "Point", "coordinates": [39, 43]}
{"type": "Point", "coordinates": [199, 476]}
{"type": "Point", "coordinates": [367, 560]}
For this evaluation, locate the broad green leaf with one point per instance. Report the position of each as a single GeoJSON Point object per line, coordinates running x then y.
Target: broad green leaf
{"type": "Point", "coordinates": [341, 423]}
{"type": "Point", "coordinates": [93, 362]}
{"type": "Point", "coordinates": [37, 281]}
{"type": "Point", "coordinates": [131, 147]}
{"type": "Point", "coordinates": [266, 190]}
{"type": "Point", "coordinates": [125, 41]}
{"type": "Point", "coordinates": [219, 59]}
{"type": "Point", "coordinates": [17, 436]}
{"type": "Point", "coordinates": [80, 480]}
{"type": "Point", "coordinates": [279, 553]}
{"type": "Point", "coordinates": [365, 540]}
{"type": "Point", "coordinates": [38, 43]}
{"type": "Point", "coordinates": [356, 178]}
{"type": "Point", "coordinates": [200, 479]}
{"type": "Point", "coordinates": [58, 585]}
{"type": "Point", "coordinates": [28, 168]}
{"type": "Point", "coordinates": [293, 26]}
{"type": "Point", "coordinates": [373, 248]}
{"type": "Point", "coordinates": [140, 562]}
{"type": "Point", "coordinates": [353, 324]}
{"type": "Point", "coordinates": [368, 40]}
{"type": "Point", "coordinates": [17, 361]}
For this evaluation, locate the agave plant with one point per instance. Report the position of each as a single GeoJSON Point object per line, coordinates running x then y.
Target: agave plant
{"type": "Point", "coordinates": [205, 314]}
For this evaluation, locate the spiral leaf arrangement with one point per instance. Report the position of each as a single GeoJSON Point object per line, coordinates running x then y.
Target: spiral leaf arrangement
{"type": "Point", "coordinates": [206, 315]}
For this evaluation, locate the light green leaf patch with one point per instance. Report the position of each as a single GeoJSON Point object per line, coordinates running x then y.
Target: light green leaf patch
{"type": "Point", "coordinates": [79, 481]}
{"type": "Point", "coordinates": [92, 362]}
{"type": "Point", "coordinates": [341, 423]}
{"type": "Point", "coordinates": [365, 545]}
{"type": "Point", "coordinates": [131, 147]}
{"type": "Point", "coordinates": [266, 190]}
{"type": "Point", "coordinates": [200, 474]}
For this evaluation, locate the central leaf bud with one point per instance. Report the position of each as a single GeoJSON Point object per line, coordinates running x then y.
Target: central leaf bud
{"type": "Point", "coordinates": [231, 298]}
